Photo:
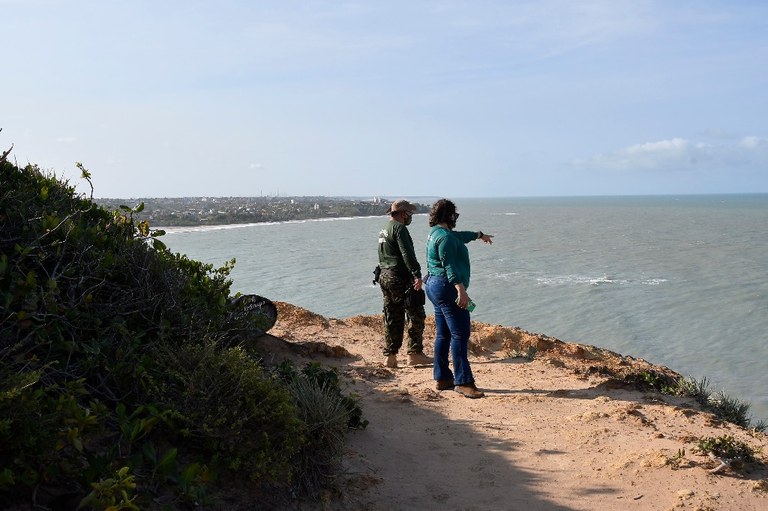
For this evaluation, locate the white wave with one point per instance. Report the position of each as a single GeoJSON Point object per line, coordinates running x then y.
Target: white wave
{"type": "Point", "coordinates": [576, 280]}
{"type": "Point", "coordinates": [571, 280]}
{"type": "Point", "coordinates": [504, 276]}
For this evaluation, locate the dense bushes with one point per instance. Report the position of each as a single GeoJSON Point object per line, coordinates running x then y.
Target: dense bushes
{"type": "Point", "coordinates": [122, 382]}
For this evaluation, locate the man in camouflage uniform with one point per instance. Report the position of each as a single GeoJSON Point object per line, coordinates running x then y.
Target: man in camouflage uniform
{"type": "Point", "coordinates": [400, 271]}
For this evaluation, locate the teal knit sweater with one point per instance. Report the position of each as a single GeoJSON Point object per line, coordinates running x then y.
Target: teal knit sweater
{"type": "Point", "coordinates": [447, 254]}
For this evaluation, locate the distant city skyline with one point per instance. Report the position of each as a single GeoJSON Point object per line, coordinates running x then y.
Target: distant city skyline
{"type": "Point", "coordinates": [366, 99]}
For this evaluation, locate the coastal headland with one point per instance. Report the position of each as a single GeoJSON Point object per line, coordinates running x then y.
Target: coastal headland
{"type": "Point", "coordinates": [190, 211]}
{"type": "Point", "coordinates": [563, 426]}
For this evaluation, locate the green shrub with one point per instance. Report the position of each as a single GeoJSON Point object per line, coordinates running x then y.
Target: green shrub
{"type": "Point", "coordinates": [120, 381]}
{"type": "Point", "coordinates": [325, 377]}
{"type": "Point", "coordinates": [223, 403]}
{"type": "Point", "coordinates": [114, 493]}
{"type": "Point", "coordinates": [730, 409]}
{"type": "Point", "coordinates": [728, 448]}
{"type": "Point", "coordinates": [723, 406]}
{"type": "Point", "coordinates": [326, 414]}
{"type": "Point", "coordinates": [45, 433]}
{"type": "Point", "coordinates": [697, 389]}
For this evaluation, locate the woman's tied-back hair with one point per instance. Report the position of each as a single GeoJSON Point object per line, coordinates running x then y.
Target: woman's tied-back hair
{"type": "Point", "coordinates": [442, 212]}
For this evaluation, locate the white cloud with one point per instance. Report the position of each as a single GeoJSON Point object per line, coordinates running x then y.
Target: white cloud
{"type": "Point", "coordinates": [679, 154]}
{"type": "Point", "coordinates": [754, 143]}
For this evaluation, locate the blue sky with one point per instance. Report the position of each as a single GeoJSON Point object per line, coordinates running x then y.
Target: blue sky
{"type": "Point", "coordinates": [389, 98]}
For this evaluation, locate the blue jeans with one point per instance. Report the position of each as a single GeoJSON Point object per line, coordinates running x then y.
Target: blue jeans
{"type": "Point", "coordinates": [452, 332]}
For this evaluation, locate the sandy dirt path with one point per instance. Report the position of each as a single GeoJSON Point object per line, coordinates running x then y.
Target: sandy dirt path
{"type": "Point", "coordinates": [559, 432]}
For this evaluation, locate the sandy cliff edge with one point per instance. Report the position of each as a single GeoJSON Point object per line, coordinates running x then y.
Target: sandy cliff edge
{"type": "Point", "coordinates": [567, 430]}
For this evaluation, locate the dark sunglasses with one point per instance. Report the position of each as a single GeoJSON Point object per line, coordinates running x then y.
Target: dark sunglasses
{"type": "Point", "coordinates": [455, 216]}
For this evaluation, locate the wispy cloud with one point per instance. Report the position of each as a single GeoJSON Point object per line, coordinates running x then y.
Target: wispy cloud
{"type": "Point", "coordinates": [285, 91]}
{"type": "Point", "coordinates": [679, 154]}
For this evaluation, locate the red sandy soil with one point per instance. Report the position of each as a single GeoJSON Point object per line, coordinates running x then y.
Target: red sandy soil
{"type": "Point", "coordinates": [566, 430]}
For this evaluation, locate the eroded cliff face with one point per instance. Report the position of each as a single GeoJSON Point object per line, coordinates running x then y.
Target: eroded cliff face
{"type": "Point", "coordinates": [490, 341]}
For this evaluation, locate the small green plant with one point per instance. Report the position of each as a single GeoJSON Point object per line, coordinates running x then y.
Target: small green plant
{"type": "Point", "coordinates": [723, 406]}
{"type": "Point", "coordinates": [677, 460]}
{"type": "Point", "coordinates": [528, 354]}
{"type": "Point", "coordinates": [761, 425]}
{"type": "Point", "coordinates": [657, 381]}
{"type": "Point", "coordinates": [114, 493]}
{"type": "Point", "coordinates": [730, 409]}
{"type": "Point", "coordinates": [728, 449]}
{"type": "Point", "coordinates": [193, 481]}
{"type": "Point", "coordinates": [691, 387]}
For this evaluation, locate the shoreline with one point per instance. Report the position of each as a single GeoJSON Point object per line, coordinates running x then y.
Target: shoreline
{"type": "Point", "coordinates": [218, 211]}
{"type": "Point", "coordinates": [176, 229]}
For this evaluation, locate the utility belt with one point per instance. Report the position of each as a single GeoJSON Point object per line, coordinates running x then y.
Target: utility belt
{"type": "Point", "coordinates": [405, 275]}
{"type": "Point", "coordinates": [400, 273]}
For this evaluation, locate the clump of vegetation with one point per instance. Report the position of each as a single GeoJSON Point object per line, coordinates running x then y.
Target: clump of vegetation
{"type": "Point", "coordinates": [654, 380]}
{"type": "Point", "coordinates": [728, 452]}
{"type": "Point", "coordinates": [727, 447]}
{"type": "Point", "coordinates": [727, 408]}
{"type": "Point", "coordinates": [527, 355]}
{"type": "Point", "coordinates": [723, 406]}
{"type": "Point", "coordinates": [124, 383]}
{"type": "Point", "coordinates": [730, 408]}
{"type": "Point", "coordinates": [327, 414]}
{"type": "Point", "coordinates": [691, 387]}
{"type": "Point", "coordinates": [678, 458]}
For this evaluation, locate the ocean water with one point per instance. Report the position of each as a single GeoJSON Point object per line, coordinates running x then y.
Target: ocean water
{"type": "Point", "coordinates": [677, 280]}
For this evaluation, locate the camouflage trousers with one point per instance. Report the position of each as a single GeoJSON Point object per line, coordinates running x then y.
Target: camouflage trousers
{"type": "Point", "coordinates": [393, 287]}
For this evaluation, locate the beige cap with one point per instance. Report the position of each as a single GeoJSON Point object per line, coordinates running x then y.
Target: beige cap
{"type": "Point", "coordinates": [401, 205]}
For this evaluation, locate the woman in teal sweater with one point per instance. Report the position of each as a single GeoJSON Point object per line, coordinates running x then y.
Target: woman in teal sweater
{"type": "Point", "coordinates": [446, 286]}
